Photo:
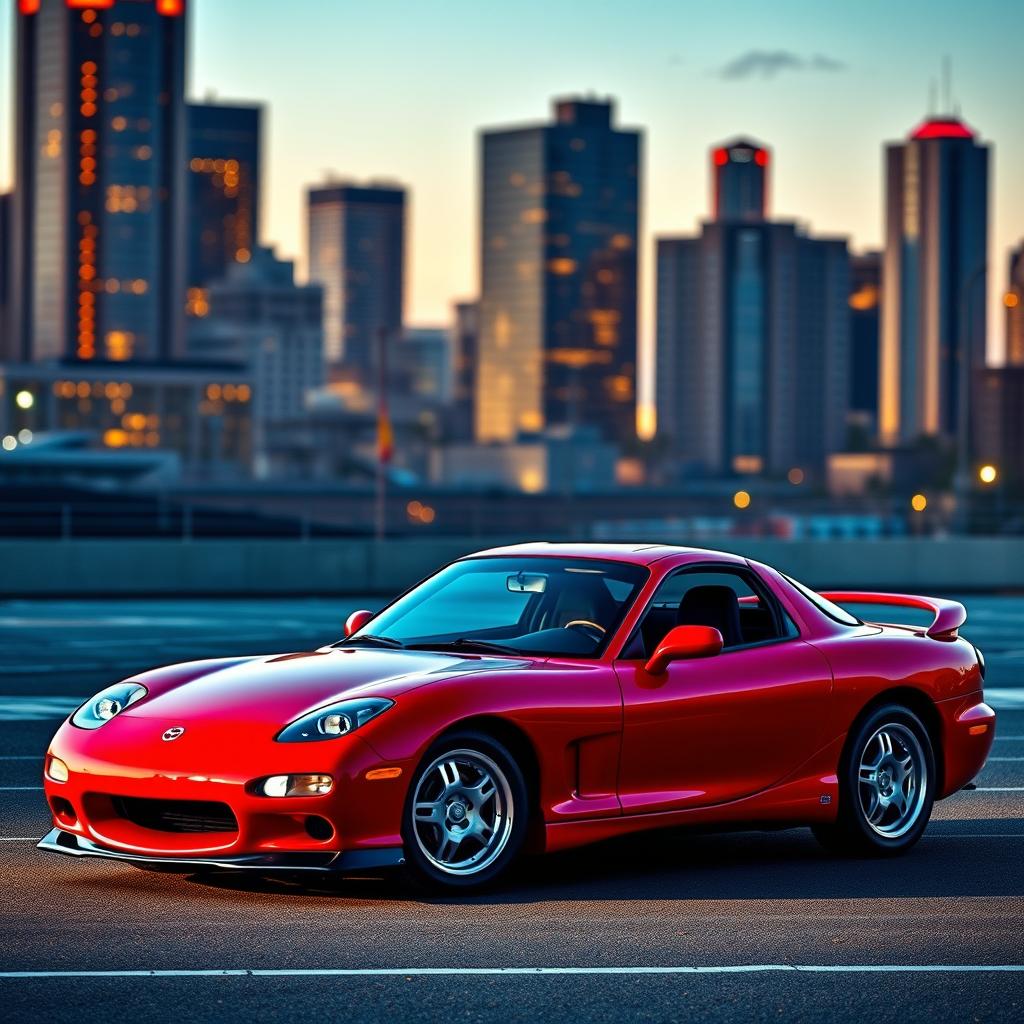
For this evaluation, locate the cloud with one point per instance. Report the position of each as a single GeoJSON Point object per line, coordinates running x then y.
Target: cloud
{"type": "Point", "coordinates": [769, 63]}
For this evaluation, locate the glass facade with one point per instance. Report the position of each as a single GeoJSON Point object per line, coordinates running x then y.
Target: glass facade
{"type": "Point", "coordinates": [934, 280]}
{"type": "Point", "coordinates": [100, 172]}
{"type": "Point", "coordinates": [357, 254]}
{"type": "Point", "coordinates": [740, 174]}
{"type": "Point", "coordinates": [560, 210]}
{"type": "Point", "coordinates": [223, 145]}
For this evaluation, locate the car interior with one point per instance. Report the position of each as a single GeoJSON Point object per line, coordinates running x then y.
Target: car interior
{"type": "Point", "coordinates": [724, 600]}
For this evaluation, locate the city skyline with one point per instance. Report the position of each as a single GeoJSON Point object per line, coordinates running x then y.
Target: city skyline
{"type": "Point", "coordinates": [824, 97]}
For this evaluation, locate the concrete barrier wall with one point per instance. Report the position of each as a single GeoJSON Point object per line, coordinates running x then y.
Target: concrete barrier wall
{"type": "Point", "coordinates": [315, 567]}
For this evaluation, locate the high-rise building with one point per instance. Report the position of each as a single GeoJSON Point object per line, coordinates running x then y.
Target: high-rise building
{"type": "Point", "coordinates": [356, 238]}
{"type": "Point", "coordinates": [99, 175]}
{"type": "Point", "coordinates": [739, 171]}
{"type": "Point", "coordinates": [1013, 300]}
{"type": "Point", "coordinates": [259, 318]}
{"type": "Point", "coordinates": [998, 422]}
{"type": "Point", "coordinates": [223, 149]}
{"type": "Point", "coordinates": [6, 340]}
{"type": "Point", "coordinates": [933, 281]}
{"type": "Point", "coordinates": [752, 347]}
{"type": "Point", "coordinates": [558, 296]}
{"type": "Point", "coordinates": [465, 339]}
{"type": "Point", "coordinates": [865, 333]}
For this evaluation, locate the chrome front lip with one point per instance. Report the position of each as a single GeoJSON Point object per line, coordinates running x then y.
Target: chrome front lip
{"type": "Point", "coordinates": [59, 841]}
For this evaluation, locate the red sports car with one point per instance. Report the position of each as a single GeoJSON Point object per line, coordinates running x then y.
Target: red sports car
{"type": "Point", "coordinates": [533, 697]}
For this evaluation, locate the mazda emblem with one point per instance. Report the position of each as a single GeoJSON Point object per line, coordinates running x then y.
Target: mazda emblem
{"type": "Point", "coordinates": [173, 733]}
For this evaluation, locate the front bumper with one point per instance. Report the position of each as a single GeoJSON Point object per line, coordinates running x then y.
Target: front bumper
{"type": "Point", "coordinates": [339, 862]}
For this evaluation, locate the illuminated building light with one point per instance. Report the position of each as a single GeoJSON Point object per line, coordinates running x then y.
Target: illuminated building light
{"type": "Point", "coordinates": [25, 436]}
{"type": "Point", "coordinates": [865, 298]}
{"type": "Point", "coordinates": [242, 255]}
{"type": "Point", "coordinates": [24, 399]}
{"type": "Point", "coordinates": [28, 6]}
{"type": "Point", "coordinates": [562, 266]}
{"type": "Point", "coordinates": [10, 442]}
{"type": "Point", "coordinates": [170, 8]}
{"type": "Point", "coordinates": [795, 476]}
{"type": "Point", "coordinates": [531, 481]}
{"type": "Point", "coordinates": [721, 157]}
{"type": "Point", "coordinates": [115, 438]}
{"type": "Point", "coordinates": [942, 128]}
{"type": "Point", "coordinates": [741, 499]}
{"type": "Point", "coordinates": [988, 474]}
{"type": "Point", "coordinates": [747, 464]}
{"type": "Point", "coordinates": [1011, 300]}
{"type": "Point", "coordinates": [84, 4]}
{"type": "Point", "coordinates": [646, 421]}
{"type": "Point", "coordinates": [534, 215]}
{"type": "Point", "coordinates": [918, 502]}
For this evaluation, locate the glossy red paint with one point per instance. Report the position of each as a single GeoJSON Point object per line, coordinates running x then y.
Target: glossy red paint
{"type": "Point", "coordinates": [752, 735]}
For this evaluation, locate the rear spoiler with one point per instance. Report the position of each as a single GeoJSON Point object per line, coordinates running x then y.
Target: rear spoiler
{"type": "Point", "coordinates": [949, 615]}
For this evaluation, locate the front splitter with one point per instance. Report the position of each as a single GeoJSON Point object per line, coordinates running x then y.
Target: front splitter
{"type": "Point", "coordinates": [336, 861]}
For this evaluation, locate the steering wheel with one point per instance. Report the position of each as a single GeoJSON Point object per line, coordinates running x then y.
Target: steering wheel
{"type": "Point", "coordinates": [591, 629]}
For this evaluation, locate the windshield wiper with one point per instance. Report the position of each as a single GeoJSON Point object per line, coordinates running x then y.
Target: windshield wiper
{"type": "Point", "coordinates": [380, 641]}
{"type": "Point", "coordinates": [465, 644]}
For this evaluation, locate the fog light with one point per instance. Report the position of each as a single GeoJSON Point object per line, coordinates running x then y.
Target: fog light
{"type": "Point", "coordinates": [56, 769]}
{"type": "Point", "coordinates": [297, 785]}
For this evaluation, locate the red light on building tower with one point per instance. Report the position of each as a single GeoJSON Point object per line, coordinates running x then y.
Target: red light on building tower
{"type": "Point", "coordinates": [79, 5]}
{"type": "Point", "coordinates": [721, 157]}
{"type": "Point", "coordinates": [761, 158]}
{"type": "Point", "coordinates": [170, 8]}
{"type": "Point", "coordinates": [28, 6]}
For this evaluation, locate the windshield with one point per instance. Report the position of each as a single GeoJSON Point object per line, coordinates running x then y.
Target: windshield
{"type": "Point", "coordinates": [539, 605]}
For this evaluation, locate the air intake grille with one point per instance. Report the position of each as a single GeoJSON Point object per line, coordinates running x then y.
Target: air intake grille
{"type": "Point", "coordinates": [176, 815]}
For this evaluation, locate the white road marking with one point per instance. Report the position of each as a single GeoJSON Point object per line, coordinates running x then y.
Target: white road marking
{"type": "Point", "coordinates": [406, 972]}
{"type": "Point", "coordinates": [19, 839]}
{"type": "Point", "coordinates": [14, 789]}
{"type": "Point", "coordinates": [1005, 698]}
{"type": "Point", "coordinates": [1004, 759]}
{"type": "Point", "coordinates": [39, 757]}
{"type": "Point", "coordinates": [997, 789]}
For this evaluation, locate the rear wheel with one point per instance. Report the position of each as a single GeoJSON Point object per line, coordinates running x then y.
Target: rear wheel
{"type": "Point", "coordinates": [466, 813]}
{"type": "Point", "coordinates": [886, 786]}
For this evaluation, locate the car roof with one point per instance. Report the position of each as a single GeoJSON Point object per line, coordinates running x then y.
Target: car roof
{"type": "Point", "coordinates": [636, 554]}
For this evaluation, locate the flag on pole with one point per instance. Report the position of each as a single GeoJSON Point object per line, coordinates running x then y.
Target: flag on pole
{"type": "Point", "coordinates": [385, 436]}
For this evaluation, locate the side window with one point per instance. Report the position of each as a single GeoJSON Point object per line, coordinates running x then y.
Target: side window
{"type": "Point", "coordinates": [739, 607]}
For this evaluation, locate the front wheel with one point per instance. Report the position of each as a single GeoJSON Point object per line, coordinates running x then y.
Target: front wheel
{"type": "Point", "coordinates": [466, 813]}
{"type": "Point", "coordinates": [886, 786]}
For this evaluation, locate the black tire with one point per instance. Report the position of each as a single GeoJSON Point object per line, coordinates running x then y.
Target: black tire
{"type": "Point", "coordinates": [466, 817]}
{"type": "Point", "coordinates": [876, 816]}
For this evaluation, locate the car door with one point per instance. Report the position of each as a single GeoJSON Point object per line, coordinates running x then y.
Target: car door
{"type": "Point", "coordinates": [712, 730]}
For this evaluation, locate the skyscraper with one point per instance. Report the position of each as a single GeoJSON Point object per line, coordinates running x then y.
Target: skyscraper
{"type": "Point", "coordinates": [223, 147]}
{"type": "Point", "coordinates": [558, 297]}
{"type": "Point", "coordinates": [865, 331]}
{"type": "Point", "coordinates": [99, 174]}
{"type": "Point", "coordinates": [1013, 300]}
{"type": "Point", "coordinates": [356, 238]}
{"type": "Point", "coordinates": [933, 281]}
{"type": "Point", "coordinates": [752, 347]}
{"type": "Point", "coordinates": [740, 174]}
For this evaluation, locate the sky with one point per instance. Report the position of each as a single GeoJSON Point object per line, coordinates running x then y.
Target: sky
{"type": "Point", "coordinates": [400, 90]}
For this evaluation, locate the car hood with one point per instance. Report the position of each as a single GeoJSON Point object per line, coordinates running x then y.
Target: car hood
{"type": "Point", "coordinates": [277, 689]}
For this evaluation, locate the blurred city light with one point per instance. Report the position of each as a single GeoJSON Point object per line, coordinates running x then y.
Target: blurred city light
{"type": "Point", "coordinates": [741, 499]}
{"type": "Point", "coordinates": [918, 502]}
{"type": "Point", "coordinates": [988, 474]}
{"type": "Point", "coordinates": [25, 399]}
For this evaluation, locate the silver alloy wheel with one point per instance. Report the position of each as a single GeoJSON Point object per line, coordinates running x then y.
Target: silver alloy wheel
{"type": "Point", "coordinates": [462, 812]}
{"type": "Point", "coordinates": [892, 780]}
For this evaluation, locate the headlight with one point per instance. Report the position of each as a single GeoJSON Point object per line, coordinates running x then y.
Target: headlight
{"type": "Point", "coordinates": [334, 720]}
{"type": "Point", "coordinates": [106, 704]}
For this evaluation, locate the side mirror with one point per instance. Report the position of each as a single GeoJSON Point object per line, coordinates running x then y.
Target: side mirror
{"type": "Point", "coordinates": [357, 620]}
{"type": "Point", "coordinates": [684, 642]}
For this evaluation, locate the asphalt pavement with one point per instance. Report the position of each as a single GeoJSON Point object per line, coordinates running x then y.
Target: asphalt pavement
{"type": "Point", "coordinates": [669, 926]}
